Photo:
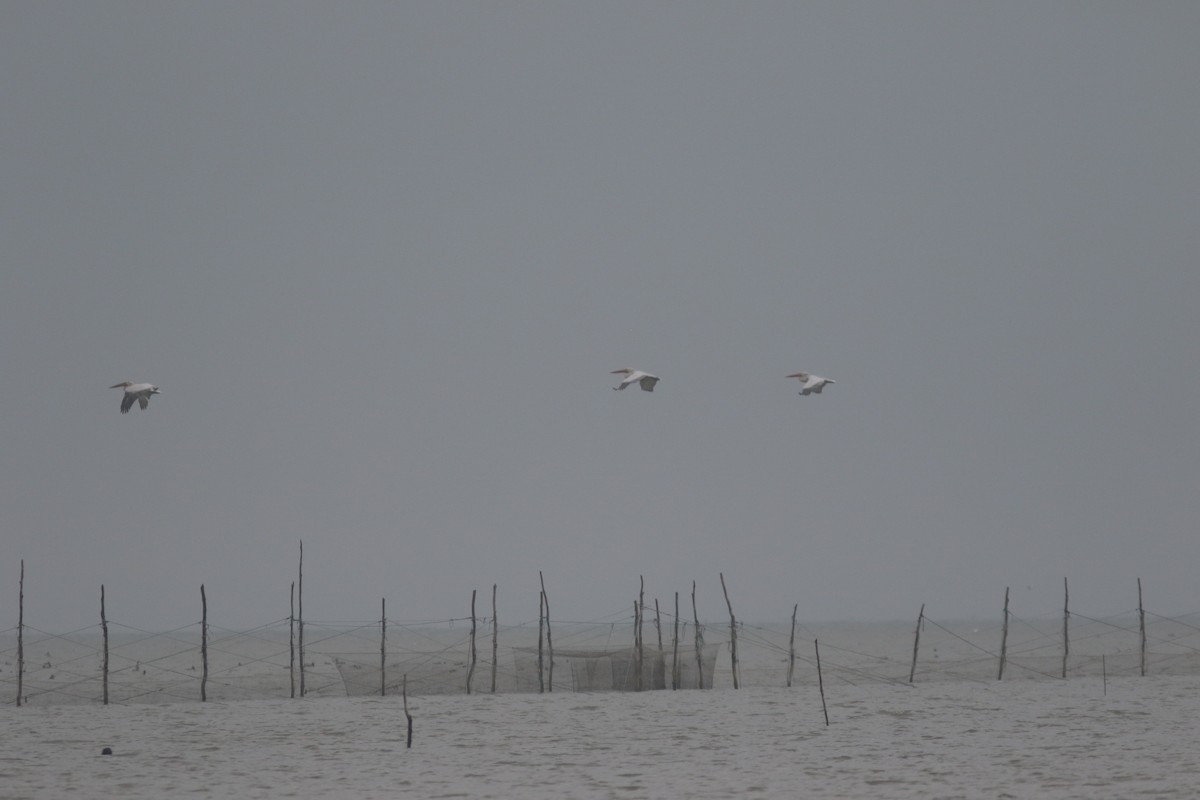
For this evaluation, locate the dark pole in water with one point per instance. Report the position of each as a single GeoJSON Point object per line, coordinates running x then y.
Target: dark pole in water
{"type": "Point", "coordinates": [699, 642]}
{"type": "Point", "coordinates": [383, 647]}
{"type": "Point", "coordinates": [821, 682]}
{"type": "Point", "coordinates": [541, 633]}
{"type": "Point", "coordinates": [203, 645]}
{"type": "Point", "coordinates": [733, 657]}
{"type": "Point", "coordinates": [495, 638]}
{"type": "Point", "coordinates": [549, 640]}
{"type": "Point", "coordinates": [792, 647]}
{"type": "Point", "coordinates": [407, 716]}
{"type": "Point", "coordinates": [661, 666]}
{"type": "Point", "coordinates": [471, 663]}
{"type": "Point", "coordinates": [916, 642]}
{"type": "Point", "coordinates": [104, 627]}
{"type": "Point", "coordinates": [1066, 624]}
{"type": "Point", "coordinates": [1142, 625]}
{"type": "Point", "coordinates": [637, 648]}
{"type": "Point", "coordinates": [21, 634]}
{"type": "Point", "coordinates": [1004, 638]}
{"type": "Point", "coordinates": [675, 648]}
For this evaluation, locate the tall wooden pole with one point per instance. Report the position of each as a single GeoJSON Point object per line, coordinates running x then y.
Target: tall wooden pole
{"type": "Point", "coordinates": [104, 628]}
{"type": "Point", "coordinates": [916, 642]}
{"type": "Point", "coordinates": [541, 634]}
{"type": "Point", "coordinates": [733, 657]}
{"type": "Point", "coordinates": [203, 645]}
{"type": "Point", "coordinates": [300, 606]}
{"type": "Point", "coordinates": [675, 648]}
{"type": "Point", "coordinates": [471, 662]}
{"type": "Point", "coordinates": [661, 667]}
{"type": "Point", "coordinates": [495, 638]}
{"type": "Point", "coordinates": [1066, 626]}
{"type": "Point", "coordinates": [1004, 638]}
{"type": "Point", "coordinates": [792, 647]}
{"type": "Point", "coordinates": [383, 647]}
{"type": "Point", "coordinates": [821, 681]}
{"type": "Point", "coordinates": [21, 634]}
{"type": "Point", "coordinates": [1142, 625]}
{"type": "Point", "coordinates": [549, 640]}
{"type": "Point", "coordinates": [699, 641]}
{"type": "Point", "coordinates": [637, 647]}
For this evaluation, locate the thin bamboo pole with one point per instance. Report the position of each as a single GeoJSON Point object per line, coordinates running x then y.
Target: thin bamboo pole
{"type": "Point", "coordinates": [495, 638]}
{"type": "Point", "coordinates": [916, 641]}
{"type": "Point", "coordinates": [383, 647]}
{"type": "Point", "coordinates": [407, 716]}
{"type": "Point", "coordinates": [549, 640]}
{"type": "Point", "coordinates": [21, 635]}
{"type": "Point", "coordinates": [1004, 639]}
{"type": "Point", "coordinates": [104, 628]}
{"type": "Point", "coordinates": [699, 642]}
{"type": "Point", "coordinates": [1066, 626]}
{"type": "Point", "coordinates": [203, 645]}
{"type": "Point", "coordinates": [660, 668]}
{"type": "Point", "coordinates": [300, 626]}
{"type": "Point", "coordinates": [1142, 626]}
{"type": "Point", "coordinates": [792, 647]}
{"type": "Point", "coordinates": [541, 634]}
{"type": "Point", "coordinates": [471, 667]}
{"type": "Point", "coordinates": [733, 656]}
{"type": "Point", "coordinates": [821, 681]}
{"type": "Point", "coordinates": [675, 648]}
{"type": "Point", "coordinates": [637, 648]}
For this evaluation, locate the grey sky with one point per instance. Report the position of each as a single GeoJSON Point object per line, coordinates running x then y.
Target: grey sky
{"type": "Point", "coordinates": [381, 257]}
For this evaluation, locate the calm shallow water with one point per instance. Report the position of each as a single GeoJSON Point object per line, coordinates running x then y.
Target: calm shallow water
{"type": "Point", "coordinates": [1045, 739]}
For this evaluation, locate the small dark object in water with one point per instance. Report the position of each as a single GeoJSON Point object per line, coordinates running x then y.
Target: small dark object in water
{"type": "Point", "coordinates": [106, 751]}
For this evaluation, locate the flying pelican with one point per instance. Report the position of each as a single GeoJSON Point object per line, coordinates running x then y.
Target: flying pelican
{"type": "Point", "coordinates": [811, 383]}
{"type": "Point", "coordinates": [636, 376]}
{"type": "Point", "coordinates": [135, 391]}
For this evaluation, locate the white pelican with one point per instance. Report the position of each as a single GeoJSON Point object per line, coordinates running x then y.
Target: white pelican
{"type": "Point", "coordinates": [135, 391]}
{"type": "Point", "coordinates": [636, 376]}
{"type": "Point", "coordinates": [811, 383]}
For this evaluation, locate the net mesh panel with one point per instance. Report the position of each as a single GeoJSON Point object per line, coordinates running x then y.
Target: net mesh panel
{"type": "Point", "coordinates": [615, 669]}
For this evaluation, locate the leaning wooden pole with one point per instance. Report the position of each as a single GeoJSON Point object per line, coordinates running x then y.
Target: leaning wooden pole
{"type": "Point", "coordinates": [1004, 638]}
{"type": "Point", "coordinates": [699, 642]}
{"type": "Point", "coordinates": [203, 645]}
{"type": "Point", "coordinates": [383, 647]}
{"type": "Point", "coordinates": [300, 608]}
{"type": "Point", "coordinates": [549, 640]}
{"type": "Point", "coordinates": [916, 643]}
{"type": "Point", "coordinates": [792, 647]}
{"type": "Point", "coordinates": [21, 634]}
{"type": "Point", "coordinates": [733, 656]}
{"type": "Point", "coordinates": [1066, 626]}
{"type": "Point", "coordinates": [675, 648]}
{"type": "Point", "coordinates": [104, 628]}
{"type": "Point", "coordinates": [1142, 625]}
{"type": "Point", "coordinates": [495, 638]}
{"type": "Point", "coordinates": [407, 716]}
{"type": "Point", "coordinates": [471, 660]}
{"type": "Point", "coordinates": [292, 639]}
{"type": "Point", "coordinates": [821, 681]}
{"type": "Point", "coordinates": [660, 667]}
{"type": "Point", "coordinates": [541, 635]}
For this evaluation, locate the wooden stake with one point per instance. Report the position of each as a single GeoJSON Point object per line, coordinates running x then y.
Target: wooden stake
{"type": "Point", "coordinates": [1004, 638]}
{"type": "Point", "coordinates": [916, 641]}
{"type": "Point", "coordinates": [675, 648]}
{"type": "Point", "coordinates": [1066, 625]}
{"type": "Point", "coordinates": [733, 657]}
{"type": "Point", "coordinates": [471, 667]}
{"type": "Point", "coordinates": [495, 638]}
{"type": "Point", "coordinates": [383, 647]}
{"type": "Point", "coordinates": [821, 682]}
{"type": "Point", "coordinates": [549, 641]}
{"type": "Point", "coordinates": [104, 627]}
{"type": "Point", "coordinates": [699, 642]}
{"type": "Point", "coordinates": [792, 648]}
{"type": "Point", "coordinates": [637, 648]}
{"type": "Point", "coordinates": [407, 716]}
{"type": "Point", "coordinates": [661, 668]}
{"type": "Point", "coordinates": [21, 635]}
{"type": "Point", "coordinates": [541, 633]}
{"type": "Point", "coordinates": [1142, 625]}
{"type": "Point", "coordinates": [203, 645]}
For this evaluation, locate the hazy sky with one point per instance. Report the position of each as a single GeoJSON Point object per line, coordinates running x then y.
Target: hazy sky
{"type": "Point", "coordinates": [382, 256]}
